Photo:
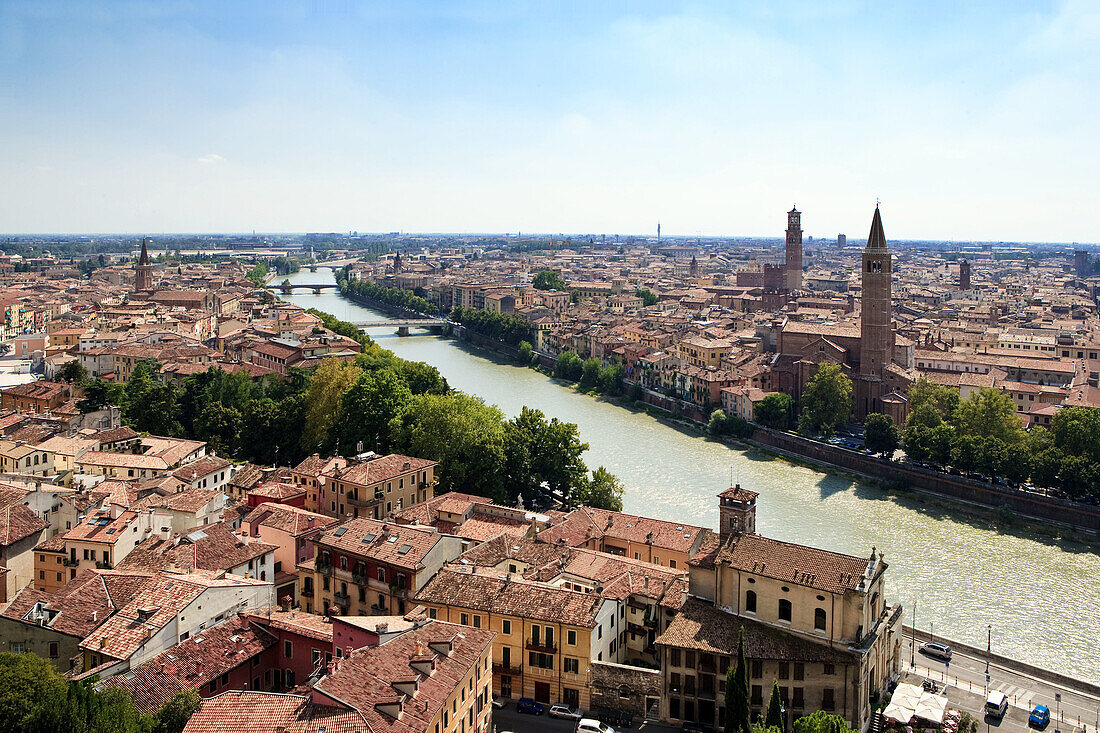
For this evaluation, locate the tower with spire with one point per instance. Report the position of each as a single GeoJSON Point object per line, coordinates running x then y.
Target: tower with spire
{"type": "Point", "coordinates": [876, 327]}
{"type": "Point", "coordinates": [143, 277]}
{"type": "Point", "coordinates": [794, 249]}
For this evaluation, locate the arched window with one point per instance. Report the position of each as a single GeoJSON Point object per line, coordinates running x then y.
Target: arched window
{"type": "Point", "coordinates": [819, 619]}
{"type": "Point", "coordinates": [784, 609]}
{"type": "Point", "coordinates": [750, 601]}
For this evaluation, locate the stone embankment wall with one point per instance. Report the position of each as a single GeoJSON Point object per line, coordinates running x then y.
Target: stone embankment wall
{"type": "Point", "coordinates": [623, 688]}
{"type": "Point", "coordinates": [957, 488]}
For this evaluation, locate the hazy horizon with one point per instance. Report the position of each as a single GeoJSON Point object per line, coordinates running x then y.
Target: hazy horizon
{"type": "Point", "coordinates": [971, 122]}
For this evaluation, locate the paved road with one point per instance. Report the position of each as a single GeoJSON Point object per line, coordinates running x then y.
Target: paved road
{"type": "Point", "coordinates": [507, 719]}
{"type": "Point", "coordinates": [968, 673]}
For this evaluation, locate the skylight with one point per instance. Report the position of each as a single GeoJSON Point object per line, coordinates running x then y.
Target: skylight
{"type": "Point", "coordinates": [404, 549]}
{"type": "Point", "coordinates": [369, 537]}
{"type": "Point", "coordinates": [340, 531]}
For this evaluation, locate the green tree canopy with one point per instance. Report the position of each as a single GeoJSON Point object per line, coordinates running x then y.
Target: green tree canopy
{"type": "Point", "coordinates": [603, 490]}
{"type": "Point", "coordinates": [323, 399]}
{"type": "Point", "coordinates": [367, 407]}
{"type": "Point", "coordinates": [738, 706]}
{"type": "Point", "coordinates": [880, 435]}
{"type": "Point", "coordinates": [820, 722]}
{"type": "Point", "coordinates": [775, 717]}
{"type": "Point", "coordinates": [989, 413]}
{"type": "Point", "coordinates": [463, 433]}
{"type": "Point", "coordinates": [776, 411]}
{"type": "Point", "coordinates": [826, 401]}
{"type": "Point", "coordinates": [548, 280]}
{"type": "Point", "coordinates": [936, 397]}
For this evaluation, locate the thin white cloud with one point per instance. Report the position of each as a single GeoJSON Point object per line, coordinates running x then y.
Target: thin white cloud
{"type": "Point", "coordinates": [211, 159]}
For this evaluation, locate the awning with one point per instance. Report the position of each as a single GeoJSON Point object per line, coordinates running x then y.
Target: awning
{"type": "Point", "coordinates": [931, 708]}
{"type": "Point", "coordinates": [898, 713]}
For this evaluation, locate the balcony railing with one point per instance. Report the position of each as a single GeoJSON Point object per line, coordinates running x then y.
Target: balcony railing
{"type": "Point", "coordinates": [543, 648]}
{"type": "Point", "coordinates": [501, 669]}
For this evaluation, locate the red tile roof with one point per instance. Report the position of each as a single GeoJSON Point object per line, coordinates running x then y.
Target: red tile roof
{"type": "Point", "coordinates": [269, 712]}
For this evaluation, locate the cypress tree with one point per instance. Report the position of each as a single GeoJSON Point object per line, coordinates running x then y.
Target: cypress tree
{"type": "Point", "coordinates": [737, 692]}
{"type": "Point", "coordinates": [775, 718]}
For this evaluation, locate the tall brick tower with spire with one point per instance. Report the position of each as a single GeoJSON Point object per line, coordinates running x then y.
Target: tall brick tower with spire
{"type": "Point", "coordinates": [794, 249]}
{"type": "Point", "coordinates": [143, 279]}
{"type": "Point", "coordinates": [876, 328]}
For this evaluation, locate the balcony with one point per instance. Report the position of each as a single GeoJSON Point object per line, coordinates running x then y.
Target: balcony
{"type": "Point", "coordinates": [324, 568]}
{"type": "Point", "coordinates": [341, 598]}
{"type": "Point", "coordinates": [541, 648]}
{"type": "Point", "coordinates": [501, 669]}
{"type": "Point", "coordinates": [368, 503]}
{"type": "Point", "coordinates": [306, 592]}
{"type": "Point", "coordinates": [398, 591]}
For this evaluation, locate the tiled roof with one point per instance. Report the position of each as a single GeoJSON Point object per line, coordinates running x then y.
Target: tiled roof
{"type": "Point", "coordinates": [793, 563]}
{"type": "Point", "coordinates": [17, 522]}
{"type": "Point", "coordinates": [193, 663]}
{"type": "Point", "coordinates": [586, 523]}
{"type": "Point", "coordinates": [190, 500]}
{"type": "Point", "coordinates": [277, 490]}
{"type": "Point", "coordinates": [521, 598]}
{"type": "Point", "coordinates": [383, 469]}
{"type": "Point", "coordinates": [426, 512]}
{"type": "Point", "coordinates": [367, 676]}
{"type": "Point", "coordinates": [100, 526]}
{"type": "Point", "coordinates": [400, 545]}
{"type": "Point", "coordinates": [269, 712]}
{"type": "Point", "coordinates": [290, 519]}
{"type": "Point", "coordinates": [303, 624]}
{"type": "Point", "coordinates": [211, 547]}
{"type": "Point", "coordinates": [201, 467]}
{"type": "Point", "coordinates": [702, 627]}
{"type": "Point", "coordinates": [481, 527]}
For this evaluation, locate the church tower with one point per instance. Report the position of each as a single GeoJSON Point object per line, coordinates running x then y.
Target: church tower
{"type": "Point", "coordinates": [794, 249]}
{"type": "Point", "coordinates": [694, 267]}
{"type": "Point", "coordinates": [143, 279]}
{"type": "Point", "coordinates": [876, 328]}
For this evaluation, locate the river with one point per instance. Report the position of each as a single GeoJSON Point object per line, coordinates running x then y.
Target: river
{"type": "Point", "coordinates": [1041, 595]}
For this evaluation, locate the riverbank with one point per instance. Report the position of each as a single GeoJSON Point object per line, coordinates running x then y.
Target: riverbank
{"type": "Point", "coordinates": [963, 571]}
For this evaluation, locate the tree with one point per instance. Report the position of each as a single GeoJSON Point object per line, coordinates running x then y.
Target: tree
{"type": "Point", "coordinates": [151, 405]}
{"type": "Point", "coordinates": [647, 296]}
{"type": "Point", "coordinates": [989, 413]}
{"type": "Point", "coordinates": [603, 491]}
{"type": "Point", "coordinates": [826, 401]}
{"type": "Point", "coordinates": [220, 427]}
{"type": "Point", "coordinates": [460, 431]}
{"type": "Point", "coordinates": [1079, 476]}
{"type": "Point", "coordinates": [548, 280]}
{"type": "Point", "coordinates": [717, 424]}
{"type": "Point", "coordinates": [880, 435]}
{"type": "Point", "coordinates": [323, 399]}
{"type": "Point", "coordinates": [524, 352]}
{"type": "Point", "coordinates": [940, 441]}
{"type": "Point", "coordinates": [1076, 431]}
{"type": "Point", "coordinates": [543, 456]}
{"type": "Point", "coordinates": [820, 722]}
{"type": "Point", "coordinates": [776, 411]}
{"type": "Point", "coordinates": [915, 442]}
{"type": "Point", "coordinates": [590, 373]}
{"type": "Point", "coordinates": [1045, 467]}
{"type": "Point", "coordinates": [775, 717]}
{"type": "Point", "coordinates": [99, 393]}
{"type": "Point", "coordinates": [611, 377]}
{"type": "Point", "coordinates": [936, 397]}
{"type": "Point", "coordinates": [964, 452]}
{"type": "Point", "coordinates": [738, 708]}
{"type": "Point", "coordinates": [367, 408]}
{"type": "Point", "coordinates": [174, 714]}
{"type": "Point", "coordinates": [568, 366]}
{"type": "Point", "coordinates": [72, 371]}
{"type": "Point", "coordinates": [28, 685]}
{"type": "Point", "coordinates": [258, 274]}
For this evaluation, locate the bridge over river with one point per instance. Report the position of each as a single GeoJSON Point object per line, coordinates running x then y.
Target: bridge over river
{"type": "Point", "coordinates": [402, 324]}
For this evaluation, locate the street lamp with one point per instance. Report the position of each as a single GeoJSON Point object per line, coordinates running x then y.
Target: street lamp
{"type": "Point", "coordinates": [989, 648]}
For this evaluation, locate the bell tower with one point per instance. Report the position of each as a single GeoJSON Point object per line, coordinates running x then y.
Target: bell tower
{"type": "Point", "coordinates": [876, 329]}
{"type": "Point", "coordinates": [794, 249]}
{"type": "Point", "coordinates": [736, 512]}
{"type": "Point", "coordinates": [143, 277]}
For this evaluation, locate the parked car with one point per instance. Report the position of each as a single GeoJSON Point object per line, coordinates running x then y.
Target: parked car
{"type": "Point", "coordinates": [1039, 717]}
{"type": "Point", "coordinates": [996, 705]}
{"type": "Point", "coordinates": [590, 725]}
{"type": "Point", "coordinates": [498, 702]}
{"type": "Point", "coordinates": [528, 705]}
{"type": "Point", "coordinates": [936, 649]}
{"type": "Point", "coordinates": [564, 711]}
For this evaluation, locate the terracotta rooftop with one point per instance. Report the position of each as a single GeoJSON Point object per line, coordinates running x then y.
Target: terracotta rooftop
{"type": "Point", "coordinates": [792, 563]}
{"type": "Point", "coordinates": [269, 712]}
{"type": "Point", "coordinates": [383, 469]}
{"type": "Point", "coordinates": [400, 545]}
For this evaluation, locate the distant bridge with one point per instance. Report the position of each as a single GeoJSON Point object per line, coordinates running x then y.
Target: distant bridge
{"type": "Point", "coordinates": [315, 287]}
{"type": "Point", "coordinates": [402, 324]}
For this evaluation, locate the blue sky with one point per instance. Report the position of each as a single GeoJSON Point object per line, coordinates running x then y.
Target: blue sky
{"type": "Point", "coordinates": [968, 120]}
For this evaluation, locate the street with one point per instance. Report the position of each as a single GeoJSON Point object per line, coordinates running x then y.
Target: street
{"type": "Point", "coordinates": [507, 719]}
{"type": "Point", "coordinates": [967, 674]}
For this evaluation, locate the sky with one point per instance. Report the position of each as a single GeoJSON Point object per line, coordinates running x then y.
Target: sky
{"type": "Point", "coordinates": [968, 120]}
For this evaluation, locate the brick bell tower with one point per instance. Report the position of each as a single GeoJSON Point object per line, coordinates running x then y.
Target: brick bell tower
{"type": "Point", "coordinates": [143, 278]}
{"type": "Point", "coordinates": [794, 249]}
{"type": "Point", "coordinates": [875, 325]}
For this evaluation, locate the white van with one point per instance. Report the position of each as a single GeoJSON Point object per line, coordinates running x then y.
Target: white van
{"type": "Point", "coordinates": [996, 704]}
{"type": "Point", "coordinates": [590, 725]}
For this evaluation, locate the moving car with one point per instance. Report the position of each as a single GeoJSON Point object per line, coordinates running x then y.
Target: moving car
{"type": "Point", "coordinates": [564, 711]}
{"type": "Point", "coordinates": [936, 649]}
{"type": "Point", "coordinates": [528, 705]}
{"type": "Point", "coordinates": [1039, 717]}
{"type": "Point", "coordinates": [996, 704]}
